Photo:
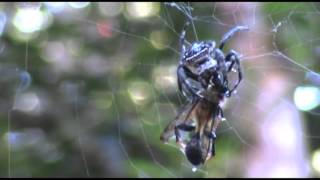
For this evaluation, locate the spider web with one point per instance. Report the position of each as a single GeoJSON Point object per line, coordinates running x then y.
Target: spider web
{"type": "Point", "coordinates": [54, 118]}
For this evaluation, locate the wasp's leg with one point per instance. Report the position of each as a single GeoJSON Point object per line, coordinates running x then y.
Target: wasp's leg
{"type": "Point", "coordinates": [233, 57]}
{"type": "Point", "coordinates": [217, 118]}
{"type": "Point", "coordinates": [230, 33]}
{"type": "Point", "coordinates": [177, 134]}
{"type": "Point", "coordinates": [220, 113]}
{"type": "Point", "coordinates": [186, 127]}
{"type": "Point", "coordinates": [183, 127]}
{"type": "Point", "coordinates": [212, 135]}
{"type": "Point", "coordinates": [213, 148]}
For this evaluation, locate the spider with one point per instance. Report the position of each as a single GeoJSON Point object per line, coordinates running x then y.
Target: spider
{"type": "Point", "coordinates": [205, 64]}
{"type": "Point", "coordinates": [202, 78]}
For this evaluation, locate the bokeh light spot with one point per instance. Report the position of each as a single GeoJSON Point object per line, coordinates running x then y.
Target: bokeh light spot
{"type": "Point", "coordinates": [165, 78]}
{"type": "Point", "coordinates": [78, 5]}
{"type": "Point", "coordinates": [27, 102]}
{"type": "Point", "coordinates": [315, 161]}
{"type": "Point", "coordinates": [110, 9]}
{"type": "Point", "coordinates": [307, 98]}
{"type": "Point", "coordinates": [142, 9]}
{"type": "Point", "coordinates": [139, 92]}
{"type": "Point", "coordinates": [159, 39]}
{"type": "Point", "coordinates": [28, 20]}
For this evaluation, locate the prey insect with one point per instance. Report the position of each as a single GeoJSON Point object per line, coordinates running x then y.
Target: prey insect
{"type": "Point", "coordinates": [203, 79]}
{"type": "Point", "coordinates": [201, 146]}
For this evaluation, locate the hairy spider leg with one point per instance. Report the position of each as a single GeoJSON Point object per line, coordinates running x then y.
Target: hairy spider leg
{"type": "Point", "coordinates": [183, 73]}
{"type": "Point", "coordinates": [230, 33]}
{"type": "Point", "coordinates": [219, 56]}
{"type": "Point", "coordinates": [183, 41]}
{"type": "Point", "coordinates": [222, 68]}
{"type": "Point", "coordinates": [233, 57]}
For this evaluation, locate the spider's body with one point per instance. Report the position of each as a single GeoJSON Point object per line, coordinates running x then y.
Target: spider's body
{"type": "Point", "coordinates": [205, 64]}
{"type": "Point", "coordinates": [202, 78]}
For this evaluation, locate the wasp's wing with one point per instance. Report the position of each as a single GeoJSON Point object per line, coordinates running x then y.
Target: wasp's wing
{"type": "Point", "coordinates": [183, 117]}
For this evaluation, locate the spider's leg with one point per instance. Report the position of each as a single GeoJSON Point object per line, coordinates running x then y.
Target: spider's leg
{"type": "Point", "coordinates": [229, 59]}
{"type": "Point", "coordinates": [218, 77]}
{"type": "Point", "coordinates": [234, 59]}
{"type": "Point", "coordinates": [230, 33]}
{"type": "Point", "coordinates": [182, 40]}
{"type": "Point", "coordinates": [219, 56]}
{"type": "Point", "coordinates": [182, 52]}
{"type": "Point", "coordinates": [183, 75]}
